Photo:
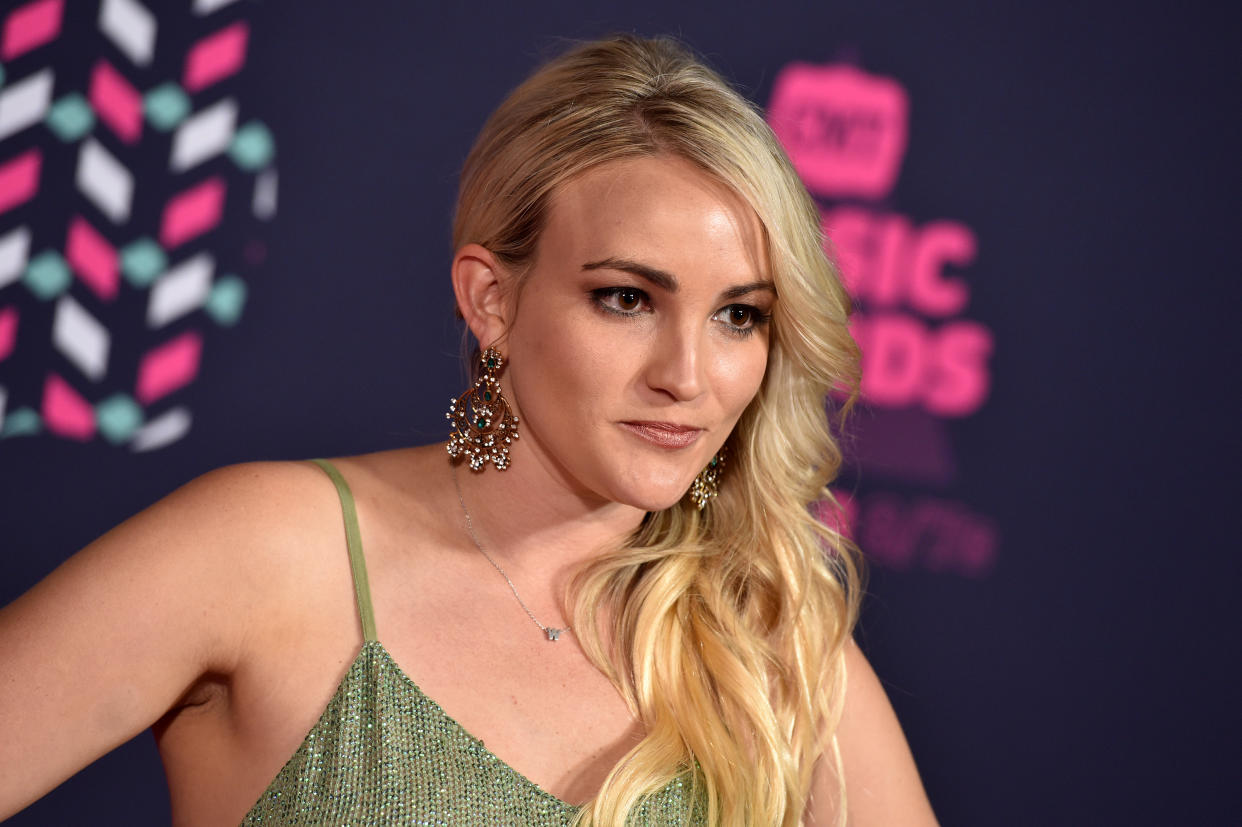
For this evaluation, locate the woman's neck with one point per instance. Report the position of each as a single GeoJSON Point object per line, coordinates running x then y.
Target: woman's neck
{"type": "Point", "coordinates": [534, 520]}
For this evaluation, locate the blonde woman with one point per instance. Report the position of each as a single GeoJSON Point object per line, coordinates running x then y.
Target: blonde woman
{"type": "Point", "coordinates": [605, 603]}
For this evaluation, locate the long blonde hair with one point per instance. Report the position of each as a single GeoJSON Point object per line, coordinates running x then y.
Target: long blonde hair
{"type": "Point", "coordinates": [727, 626]}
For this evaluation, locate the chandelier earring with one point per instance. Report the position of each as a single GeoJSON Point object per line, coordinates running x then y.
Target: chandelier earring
{"type": "Point", "coordinates": [707, 484]}
{"type": "Point", "coordinates": [483, 423]}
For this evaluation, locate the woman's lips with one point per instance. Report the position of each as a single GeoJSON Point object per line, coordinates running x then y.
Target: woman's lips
{"type": "Point", "coordinates": [664, 434]}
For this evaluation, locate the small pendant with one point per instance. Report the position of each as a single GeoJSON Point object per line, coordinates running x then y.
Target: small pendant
{"type": "Point", "coordinates": [553, 634]}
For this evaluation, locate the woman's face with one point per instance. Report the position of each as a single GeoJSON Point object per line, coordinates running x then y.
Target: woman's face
{"type": "Point", "coordinates": [641, 332]}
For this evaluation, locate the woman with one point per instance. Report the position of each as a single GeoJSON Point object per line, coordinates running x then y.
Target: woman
{"type": "Point", "coordinates": [613, 581]}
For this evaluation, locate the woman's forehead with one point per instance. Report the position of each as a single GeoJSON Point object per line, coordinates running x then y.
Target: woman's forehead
{"type": "Point", "coordinates": [658, 207]}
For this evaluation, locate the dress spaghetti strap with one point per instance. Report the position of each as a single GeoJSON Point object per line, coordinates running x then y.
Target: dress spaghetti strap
{"type": "Point", "coordinates": [353, 540]}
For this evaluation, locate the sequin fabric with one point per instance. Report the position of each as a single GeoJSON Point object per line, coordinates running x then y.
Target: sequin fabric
{"type": "Point", "coordinates": [384, 753]}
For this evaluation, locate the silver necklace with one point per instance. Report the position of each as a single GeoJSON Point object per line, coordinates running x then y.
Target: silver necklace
{"type": "Point", "coordinates": [551, 631]}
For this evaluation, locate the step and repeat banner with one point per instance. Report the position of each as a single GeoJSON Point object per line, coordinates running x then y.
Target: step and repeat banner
{"type": "Point", "coordinates": [224, 236]}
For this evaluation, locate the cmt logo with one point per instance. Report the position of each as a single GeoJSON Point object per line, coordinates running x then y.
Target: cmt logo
{"type": "Point", "coordinates": [844, 130]}
{"type": "Point", "coordinates": [924, 362]}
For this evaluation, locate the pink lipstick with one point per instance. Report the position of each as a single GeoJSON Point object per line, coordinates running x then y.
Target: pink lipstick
{"type": "Point", "coordinates": [664, 434]}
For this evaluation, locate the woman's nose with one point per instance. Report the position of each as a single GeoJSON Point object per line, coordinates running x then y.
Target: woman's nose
{"type": "Point", "coordinates": [676, 363]}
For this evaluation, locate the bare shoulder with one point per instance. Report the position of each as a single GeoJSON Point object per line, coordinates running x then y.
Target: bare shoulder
{"type": "Point", "coordinates": [225, 528]}
{"type": "Point", "coordinates": [111, 640]}
{"type": "Point", "coordinates": [882, 783]}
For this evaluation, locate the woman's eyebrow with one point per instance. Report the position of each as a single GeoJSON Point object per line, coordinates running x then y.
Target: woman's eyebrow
{"type": "Point", "coordinates": [651, 274]}
{"type": "Point", "coordinates": [744, 289]}
{"type": "Point", "coordinates": [667, 280]}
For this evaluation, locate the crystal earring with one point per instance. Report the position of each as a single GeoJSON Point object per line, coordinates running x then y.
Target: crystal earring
{"type": "Point", "coordinates": [707, 484]}
{"type": "Point", "coordinates": [483, 424]}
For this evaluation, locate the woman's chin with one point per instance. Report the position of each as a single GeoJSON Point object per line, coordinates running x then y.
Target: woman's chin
{"type": "Point", "coordinates": [652, 497]}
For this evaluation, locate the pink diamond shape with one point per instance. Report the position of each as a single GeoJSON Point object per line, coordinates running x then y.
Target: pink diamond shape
{"type": "Point", "coordinates": [65, 412]}
{"type": "Point", "coordinates": [31, 26]}
{"type": "Point", "coordinates": [192, 212]}
{"type": "Point", "coordinates": [216, 56]}
{"type": "Point", "coordinates": [8, 331]}
{"type": "Point", "coordinates": [119, 105]}
{"type": "Point", "coordinates": [172, 365]}
{"type": "Point", "coordinates": [92, 258]}
{"type": "Point", "coordinates": [19, 179]}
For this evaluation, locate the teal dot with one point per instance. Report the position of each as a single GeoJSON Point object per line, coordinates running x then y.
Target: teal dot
{"type": "Point", "coordinates": [165, 106]}
{"type": "Point", "coordinates": [487, 396]}
{"type": "Point", "coordinates": [714, 462]}
{"type": "Point", "coordinates": [21, 422]}
{"type": "Point", "coordinates": [481, 423]}
{"type": "Point", "coordinates": [142, 261]}
{"type": "Point", "coordinates": [47, 275]}
{"type": "Point", "coordinates": [70, 118]}
{"type": "Point", "coordinates": [118, 417]}
{"type": "Point", "coordinates": [252, 146]}
{"type": "Point", "coordinates": [226, 300]}
{"type": "Point", "coordinates": [491, 364]}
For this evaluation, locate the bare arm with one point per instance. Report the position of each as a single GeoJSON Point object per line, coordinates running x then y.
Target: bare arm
{"type": "Point", "coordinates": [882, 784]}
{"type": "Point", "coordinates": [113, 638]}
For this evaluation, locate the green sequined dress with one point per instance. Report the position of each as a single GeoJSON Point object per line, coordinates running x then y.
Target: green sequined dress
{"type": "Point", "coordinates": [384, 753]}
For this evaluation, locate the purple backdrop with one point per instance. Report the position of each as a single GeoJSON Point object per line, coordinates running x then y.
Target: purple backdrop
{"type": "Point", "coordinates": [224, 237]}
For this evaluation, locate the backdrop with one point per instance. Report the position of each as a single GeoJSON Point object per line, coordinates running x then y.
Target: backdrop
{"type": "Point", "coordinates": [224, 236]}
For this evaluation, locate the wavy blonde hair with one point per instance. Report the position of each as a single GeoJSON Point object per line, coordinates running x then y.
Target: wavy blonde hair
{"type": "Point", "coordinates": [727, 626]}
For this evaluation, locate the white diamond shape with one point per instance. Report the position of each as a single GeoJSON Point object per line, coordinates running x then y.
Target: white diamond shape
{"type": "Point", "coordinates": [14, 250]}
{"type": "Point", "coordinates": [264, 202]}
{"type": "Point", "coordinates": [25, 102]}
{"type": "Point", "coordinates": [165, 428]}
{"type": "Point", "coordinates": [81, 338]}
{"type": "Point", "coordinates": [181, 289]}
{"type": "Point", "coordinates": [104, 180]}
{"type": "Point", "coordinates": [202, 7]}
{"type": "Point", "coordinates": [131, 27]}
{"type": "Point", "coordinates": [205, 134]}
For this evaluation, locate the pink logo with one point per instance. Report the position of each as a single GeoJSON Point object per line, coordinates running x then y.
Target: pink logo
{"type": "Point", "coordinates": [844, 130]}
{"type": "Point", "coordinates": [922, 362]}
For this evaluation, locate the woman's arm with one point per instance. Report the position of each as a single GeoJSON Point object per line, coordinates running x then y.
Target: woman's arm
{"type": "Point", "coordinates": [113, 638]}
{"type": "Point", "coordinates": [882, 784]}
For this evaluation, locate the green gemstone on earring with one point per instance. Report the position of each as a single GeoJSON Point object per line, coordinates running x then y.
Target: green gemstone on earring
{"type": "Point", "coordinates": [487, 395]}
{"type": "Point", "coordinates": [491, 364]}
{"type": "Point", "coordinates": [482, 423]}
{"type": "Point", "coordinates": [713, 462]}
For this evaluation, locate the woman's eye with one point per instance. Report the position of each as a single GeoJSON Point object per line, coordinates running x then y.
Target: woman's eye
{"type": "Point", "coordinates": [625, 301]}
{"type": "Point", "coordinates": [741, 318]}
{"type": "Point", "coordinates": [628, 299]}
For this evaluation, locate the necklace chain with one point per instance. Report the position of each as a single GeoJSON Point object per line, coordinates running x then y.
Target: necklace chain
{"type": "Point", "coordinates": [551, 631]}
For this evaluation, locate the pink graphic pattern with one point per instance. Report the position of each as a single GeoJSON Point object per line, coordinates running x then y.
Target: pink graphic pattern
{"type": "Point", "coordinates": [192, 212]}
{"type": "Point", "coordinates": [19, 179]}
{"type": "Point", "coordinates": [93, 259]}
{"type": "Point", "coordinates": [65, 411]}
{"type": "Point", "coordinates": [30, 26]}
{"type": "Point", "coordinates": [118, 104]}
{"type": "Point", "coordinates": [8, 331]}
{"type": "Point", "coordinates": [216, 57]}
{"type": "Point", "coordinates": [122, 255]}
{"type": "Point", "coordinates": [168, 367]}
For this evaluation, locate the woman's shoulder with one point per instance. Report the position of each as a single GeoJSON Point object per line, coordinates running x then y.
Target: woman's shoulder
{"type": "Point", "coordinates": [882, 782]}
{"type": "Point", "coordinates": [287, 499]}
{"type": "Point", "coordinates": [237, 516]}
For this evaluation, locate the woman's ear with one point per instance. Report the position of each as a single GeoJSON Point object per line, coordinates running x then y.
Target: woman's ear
{"type": "Point", "coordinates": [480, 285]}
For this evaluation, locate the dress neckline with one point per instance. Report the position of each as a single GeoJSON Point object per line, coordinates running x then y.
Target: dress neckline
{"type": "Point", "coordinates": [457, 725]}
